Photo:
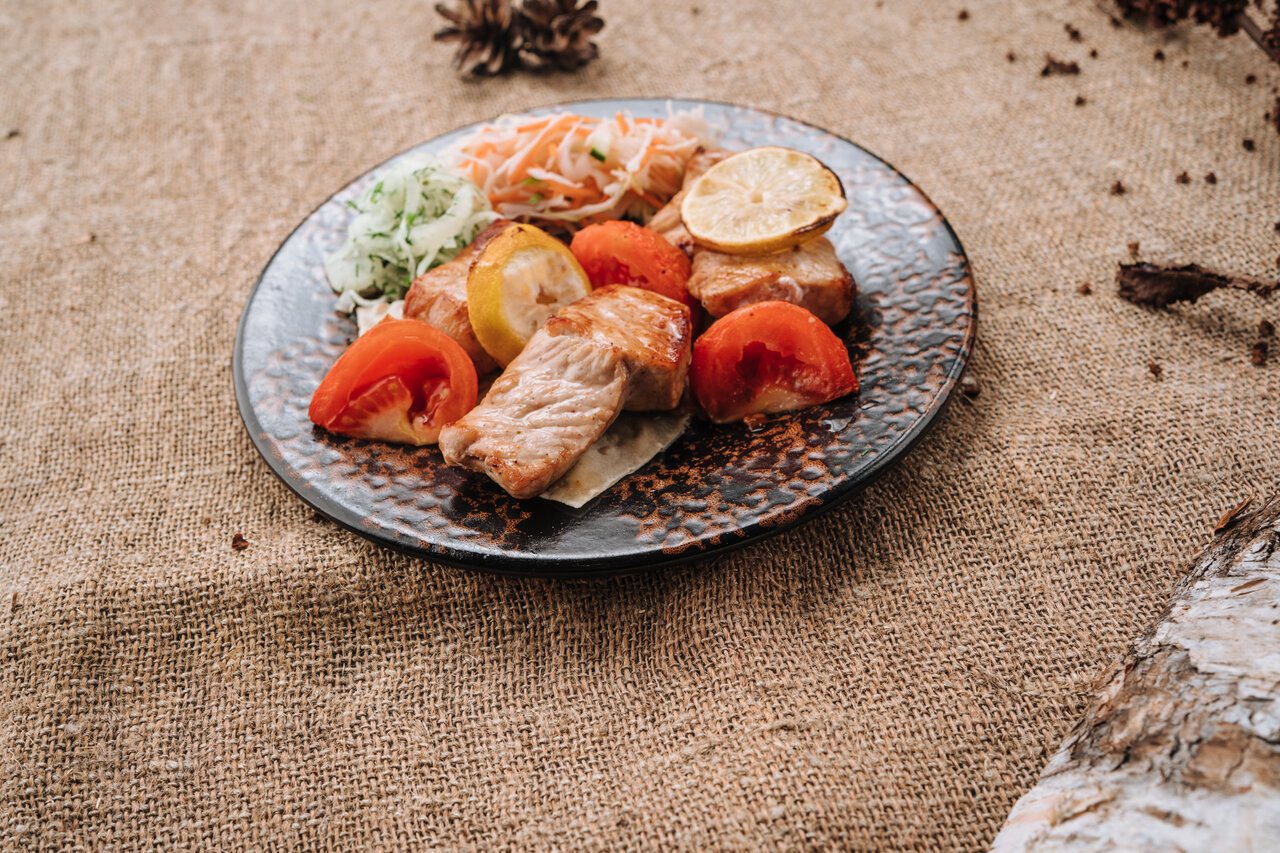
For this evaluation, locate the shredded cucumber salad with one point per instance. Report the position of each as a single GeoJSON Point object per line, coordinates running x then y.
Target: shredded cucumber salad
{"type": "Point", "coordinates": [419, 216]}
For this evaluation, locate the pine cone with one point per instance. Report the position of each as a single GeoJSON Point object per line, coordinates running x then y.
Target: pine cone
{"type": "Point", "coordinates": [557, 34]}
{"type": "Point", "coordinates": [488, 40]}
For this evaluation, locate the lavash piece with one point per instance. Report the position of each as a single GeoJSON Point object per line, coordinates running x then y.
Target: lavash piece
{"type": "Point", "coordinates": [626, 446]}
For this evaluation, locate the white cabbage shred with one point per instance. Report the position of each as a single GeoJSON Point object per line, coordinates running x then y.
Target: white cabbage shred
{"type": "Point", "coordinates": [419, 216]}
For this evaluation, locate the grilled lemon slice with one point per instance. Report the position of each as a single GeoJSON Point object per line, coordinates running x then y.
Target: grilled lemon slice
{"type": "Point", "coordinates": [762, 201]}
{"type": "Point", "coordinates": [520, 278]}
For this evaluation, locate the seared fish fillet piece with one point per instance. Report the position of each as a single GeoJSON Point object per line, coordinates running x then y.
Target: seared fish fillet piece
{"type": "Point", "coordinates": [438, 298]}
{"type": "Point", "coordinates": [556, 398]}
{"type": "Point", "coordinates": [667, 221]}
{"type": "Point", "coordinates": [618, 347]}
{"type": "Point", "coordinates": [654, 333]}
{"type": "Point", "coordinates": [809, 275]}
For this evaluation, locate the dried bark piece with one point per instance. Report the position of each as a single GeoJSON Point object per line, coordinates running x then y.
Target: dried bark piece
{"type": "Point", "coordinates": [1230, 515]}
{"type": "Point", "coordinates": [1157, 285]}
{"type": "Point", "coordinates": [1057, 66]}
{"type": "Point", "coordinates": [1220, 14]}
{"type": "Point", "coordinates": [1180, 748]}
{"type": "Point", "coordinates": [1258, 355]}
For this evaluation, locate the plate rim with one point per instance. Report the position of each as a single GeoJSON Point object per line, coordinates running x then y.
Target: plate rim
{"type": "Point", "coordinates": [534, 565]}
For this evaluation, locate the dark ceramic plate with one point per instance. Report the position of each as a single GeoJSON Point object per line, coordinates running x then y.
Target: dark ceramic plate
{"type": "Point", "coordinates": [717, 487]}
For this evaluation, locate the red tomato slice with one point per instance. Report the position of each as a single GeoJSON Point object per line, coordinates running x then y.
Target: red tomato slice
{"type": "Point", "coordinates": [401, 382]}
{"type": "Point", "coordinates": [622, 252]}
{"type": "Point", "coordinates": [768, 357]}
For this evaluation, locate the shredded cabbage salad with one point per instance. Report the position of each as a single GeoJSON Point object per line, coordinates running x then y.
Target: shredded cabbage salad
{"type": "Point", "coordinates": [572, 170]}
{"type": "Point", "coordinates": [419, 216]}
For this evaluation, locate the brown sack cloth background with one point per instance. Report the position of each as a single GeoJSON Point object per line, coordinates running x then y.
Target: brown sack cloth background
{"type": "Point", "coordinates": [889, 675]}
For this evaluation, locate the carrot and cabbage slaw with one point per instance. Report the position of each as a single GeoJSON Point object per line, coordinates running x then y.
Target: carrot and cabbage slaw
{"type": "Point", "coordinates": [573, 170]}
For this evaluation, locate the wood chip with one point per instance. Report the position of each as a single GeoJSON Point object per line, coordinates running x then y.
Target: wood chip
{"type": "Point", "coordinates": [1057, 66]}
{"type": "Point", "coordinates": [1156, 285]}
{"type": "Point", "coordinates": [1230, 515]}
{"type": "Point", "coordinates": [1258, 355]}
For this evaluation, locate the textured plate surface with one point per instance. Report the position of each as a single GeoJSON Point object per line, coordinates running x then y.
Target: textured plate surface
{"type": "Point", "coordinates": [717, 487]}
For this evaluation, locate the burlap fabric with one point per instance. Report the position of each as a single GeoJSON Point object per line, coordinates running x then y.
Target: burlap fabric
{"type": "Point", "coordinates": [888, 676]}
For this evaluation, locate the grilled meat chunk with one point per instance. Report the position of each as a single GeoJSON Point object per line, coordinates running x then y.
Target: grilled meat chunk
{"type": "Point", "coordinates": [667, 221]}
{"type": "Point", "coordinates": [809, 275]}
{"type": "Point", "coordinates": [619, 347]}
{"type": "Point", "coordinates": [438, 298]}
{"type": "Point", "coordinates": [654, 333]}
{"type": "Point", "coordinates": [556, 398]}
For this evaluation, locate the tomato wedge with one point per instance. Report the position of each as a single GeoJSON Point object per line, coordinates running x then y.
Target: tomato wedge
{"type": "Point", "coordinates": [401, 381]}
{"type": "Point", "coordinates": [768, 357]}
{"type": "Point", "coordinates": [621, 252]}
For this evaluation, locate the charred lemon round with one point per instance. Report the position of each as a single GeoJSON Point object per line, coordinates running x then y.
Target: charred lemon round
{"type": "Point", "coordinates": [762, 201]}
{"type": "Point", "coordinates": [519, 279]}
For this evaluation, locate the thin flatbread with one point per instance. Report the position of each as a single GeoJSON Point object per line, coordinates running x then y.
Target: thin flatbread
{"type": "Point", "coordinates": [629, 443]}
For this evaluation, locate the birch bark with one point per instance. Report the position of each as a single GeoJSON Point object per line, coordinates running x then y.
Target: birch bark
{"type": "Point", "coordinates": [1180, 749]}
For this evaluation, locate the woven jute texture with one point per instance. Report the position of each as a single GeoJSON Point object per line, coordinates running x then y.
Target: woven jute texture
{"type": "Point", "coordinates": [889, 675]}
